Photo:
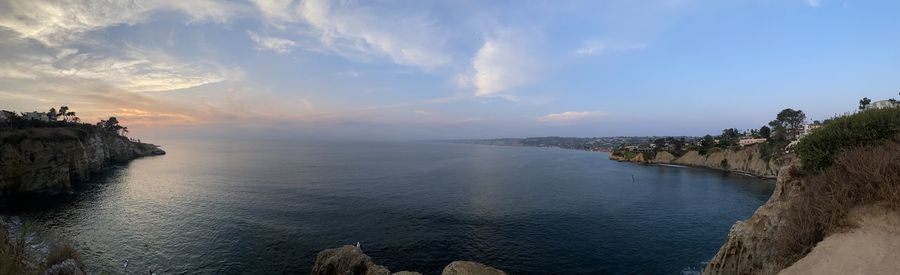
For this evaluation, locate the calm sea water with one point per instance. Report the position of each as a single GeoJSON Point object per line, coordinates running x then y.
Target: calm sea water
{"type": "Point", "coordinates": [267, 207]}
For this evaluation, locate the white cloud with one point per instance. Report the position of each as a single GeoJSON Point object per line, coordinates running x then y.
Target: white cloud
{"type": "Point", "coordinates": [10, 72]}
{"type": "Point", "coordinates": [813, 3]}
{"type": "Point", "coordinates": [58, 22]}
{"type": "Point", "coordinates": [506, 61]}
{"type": "Point", "coordinates": [275, 44]}
{"type": "Point", "coordinates": [132, 69]}
{"type": "Point", "coordinates": [277, 12]}
{"type": "Point", "coordinates": [573, 117]}
{"type": "Point", "coordinates": [593, 47]}
{"type": "Point", "coordinates": [123, 67]}
{"type": "Point", "coordinates": [355, 31]}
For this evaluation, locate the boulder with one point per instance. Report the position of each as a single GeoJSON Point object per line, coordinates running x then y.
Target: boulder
{"type": "Point", "coordinates": [470, 268]}
{"type": "Point", "coordinates": [347, 260]}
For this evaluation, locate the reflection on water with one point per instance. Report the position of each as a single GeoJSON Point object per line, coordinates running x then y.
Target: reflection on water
{"type": "Point", "coordinates": [269, 206]}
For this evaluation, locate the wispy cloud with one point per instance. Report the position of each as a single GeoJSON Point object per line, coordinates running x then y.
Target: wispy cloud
{"type": "Point", "coordinates": [357, 31]}
{"type": "Point", "coordinates": [57, 22]}
{"type": "Point", "coordinates": [506, 61]}
{"type": "Point", "coordinates": [275, 44]}
{"type": "Point", "coordinates": [573, 117]}
{"type": "Point", "coordinates": [594, 47]}
{"type": "Point", "coordinates": [813, 3]}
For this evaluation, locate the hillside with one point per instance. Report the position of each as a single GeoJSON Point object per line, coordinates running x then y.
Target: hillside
{"type": "Point", "coordinates": [842, 191]}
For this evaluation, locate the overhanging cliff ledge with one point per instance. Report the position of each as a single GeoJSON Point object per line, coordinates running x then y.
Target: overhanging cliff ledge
{"type": "Point", "coordinates": [50, 160]}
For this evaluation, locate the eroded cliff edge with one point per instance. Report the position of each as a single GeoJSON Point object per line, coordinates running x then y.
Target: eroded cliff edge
{"type": "Point", "coordinates": [49, 160]}
{"type": "Point", "coordinates": [819, 211]}
{"type": "Point", "coordinates": [747, 160]}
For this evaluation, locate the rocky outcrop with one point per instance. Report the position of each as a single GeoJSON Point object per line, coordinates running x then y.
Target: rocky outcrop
{"type": "Point", "coordinates": [347, 259]}
{"type": "Point", "coordinates": [350, 259]}
{"type": "Point", "coordinates": [470, 268]}
{"type": "Point", "coordinates": [49, 160]}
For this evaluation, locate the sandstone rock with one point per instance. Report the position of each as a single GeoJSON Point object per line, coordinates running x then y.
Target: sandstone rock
{"type": "Point", "coordinates": [663, 157]}
{"type": "Point", "coordinates": [348, 260]}
{"type": "Point", "coordinates": [748, 249]}
{"type": "Point", "coordinates": [406, 273]}
{"type": "Point", "coordinates": [470, 268]}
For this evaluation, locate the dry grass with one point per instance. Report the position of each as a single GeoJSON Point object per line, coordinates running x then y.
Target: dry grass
{"type": "Point", "coordinates": [11, 253]}
{"type": "Point", "coordinates": [857, 177]}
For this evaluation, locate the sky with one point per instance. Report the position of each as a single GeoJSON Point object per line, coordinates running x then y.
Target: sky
{"type": "Point", "coordinates": [446, 69]}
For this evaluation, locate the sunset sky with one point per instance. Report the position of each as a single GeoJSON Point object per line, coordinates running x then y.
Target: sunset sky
{"type": "Point", "coordinates": [447, 69]}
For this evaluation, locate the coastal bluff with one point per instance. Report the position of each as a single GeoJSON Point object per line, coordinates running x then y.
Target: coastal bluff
{"type": "Point", "coordinates": [747, 160]}
{"type": "Point", "coordinates": [350, 259]}
{"type": "Point", "coordinates": [50, 160]}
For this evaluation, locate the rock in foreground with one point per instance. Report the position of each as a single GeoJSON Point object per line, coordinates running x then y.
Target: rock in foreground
{"type": "Point", "coordinates": [349, 259]}
{"type": "Point", "coordinates": [470, 268]}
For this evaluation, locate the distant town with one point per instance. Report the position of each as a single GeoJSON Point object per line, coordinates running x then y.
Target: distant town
{"type": "Point", "coordinates": [777, 137]}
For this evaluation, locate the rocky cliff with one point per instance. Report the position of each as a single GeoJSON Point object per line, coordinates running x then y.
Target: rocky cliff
{"type": "Point", "coordinates": [49, 160]}
{"type": "Point", "coordinates": [749, 247]}
{"type": "Point", "coordinates": [748, 160]}
{"type": "Point", "coordinates": [844, 219]}
{"type": "Point", "coordinates": [351, 260]}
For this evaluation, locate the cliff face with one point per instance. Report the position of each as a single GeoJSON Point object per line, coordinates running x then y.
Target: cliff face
{"type": "Point", "coordinates": [748, 249]}
{"type": "Point", "coordinates": [843, 219]}
{"type": "Point", "coordinates": [49, 160]}
{"type": "Point", "coordinates": [747, 160]}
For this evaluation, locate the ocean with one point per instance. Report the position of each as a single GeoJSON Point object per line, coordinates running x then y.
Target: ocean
{"type": "Point", "coordinates": [268, 206]}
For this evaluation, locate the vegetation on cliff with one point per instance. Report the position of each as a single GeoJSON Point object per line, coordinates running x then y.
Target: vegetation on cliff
{"type": "Point", "coordinates": [852, 162]}
{"type": "Point", "coordinates": [866, 128]}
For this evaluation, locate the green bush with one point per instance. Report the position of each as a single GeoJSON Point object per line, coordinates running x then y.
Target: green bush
{"type": "Point", "coordinates": [866, 128]}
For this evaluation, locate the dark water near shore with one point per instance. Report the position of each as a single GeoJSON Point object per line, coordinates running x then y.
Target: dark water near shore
{"type": "Point", "coordinates": [267, 207]}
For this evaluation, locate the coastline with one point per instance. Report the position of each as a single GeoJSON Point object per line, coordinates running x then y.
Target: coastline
{"type": "Point", "coordinates": [746, 161]}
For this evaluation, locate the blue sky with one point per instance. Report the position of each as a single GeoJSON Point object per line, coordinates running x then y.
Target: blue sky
{"type": "Point", "coordinates": [447, 69]}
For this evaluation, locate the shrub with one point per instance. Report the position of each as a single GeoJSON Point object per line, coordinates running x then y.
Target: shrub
{"type": "Point", "coordinates": [870, 127]}
{"type": "Point", "coordinates": [857, 177]}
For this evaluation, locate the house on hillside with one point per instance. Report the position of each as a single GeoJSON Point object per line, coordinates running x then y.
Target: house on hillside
{"type": "Point", "coordinates": [750, 141]}
{"type": "Point", "coordinates": [809, 128]}
{"type": "Point", "coordinates": [884, 104]}
{"type": "Point", "coordinates": [36, 116]}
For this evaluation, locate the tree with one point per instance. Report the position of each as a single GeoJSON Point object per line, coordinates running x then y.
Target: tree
{"type": "Point", "coordinates": [788, 124]}
{"type": "Point", "coordinates": [706, 143]}
{"type": "Point", "coordinates": [729, 137]}
{"type": "Point", "coordinates": [112, 125]}
{"type": "Point", "coordinates": [864, 102]}
{"type": "Point", "coordinates": [765, 132]}
{"type": "Point", "coordinates": [52, 115]}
